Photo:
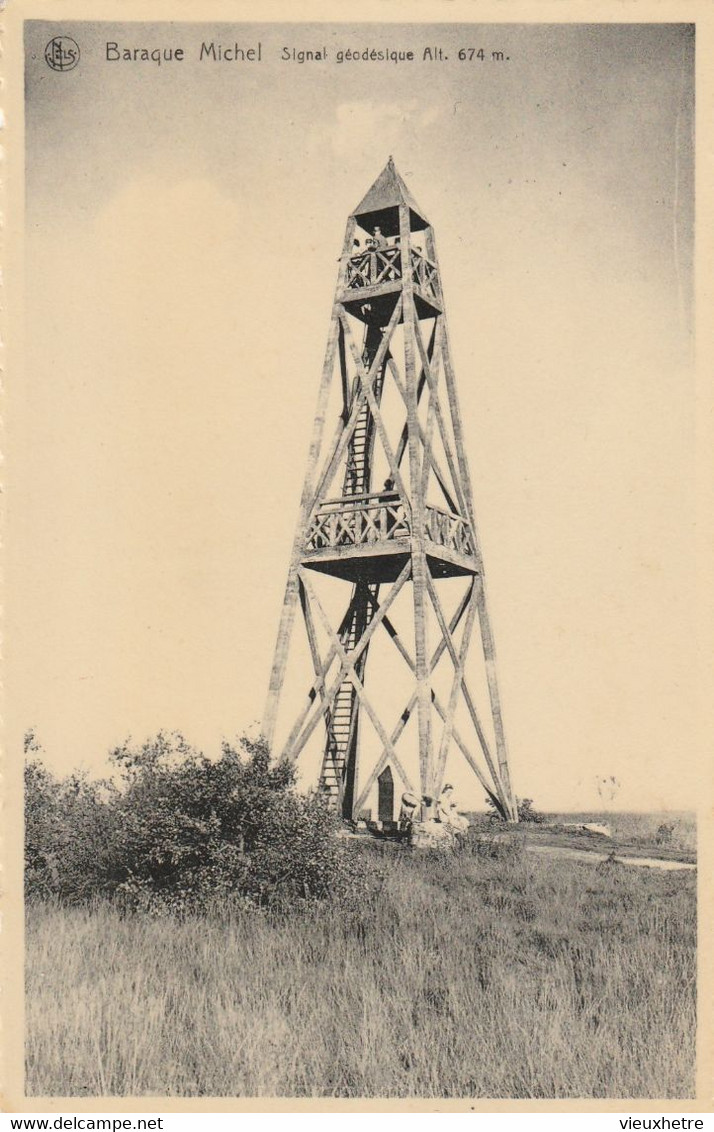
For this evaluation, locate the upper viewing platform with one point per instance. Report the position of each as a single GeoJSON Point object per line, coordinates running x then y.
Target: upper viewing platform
{"type": "Point", "coordinates": [392, 245]}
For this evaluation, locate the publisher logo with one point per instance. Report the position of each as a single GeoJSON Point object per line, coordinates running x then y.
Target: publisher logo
{"type": "Point", "coordinates": [62, 53]}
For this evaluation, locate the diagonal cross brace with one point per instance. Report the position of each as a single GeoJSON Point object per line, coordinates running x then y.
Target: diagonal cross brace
{"type": "Point", "coordinates": [405, 715]}
{"type": "Point", "coordinates": [348, 667]}
{"type": "Point", "coordinates": [438, 471]}
{"type": "Point", "coordinates": [376, 412]}
{"type": "Point", "coordinates": [318, 686]}
{"type": "Point", "coordinates": [455, 689]}
{"type": "Point", "coordinates": [298, 738]}
{"type": "Point", "coordinates": [447, 636]}
{"type": "Point", "coordinates": [344, 431]}
{"type": "Point", "coordinates": [455, 473]}
{"type": "Point", "coordinates": [488, 787]}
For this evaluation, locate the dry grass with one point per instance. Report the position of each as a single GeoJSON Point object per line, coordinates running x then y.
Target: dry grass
{"type": "Point", "coordinates": [477, 977]}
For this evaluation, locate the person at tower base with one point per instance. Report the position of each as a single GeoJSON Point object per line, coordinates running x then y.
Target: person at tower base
{"type": "Point", "coordinates": [409, 810]}
{"type": "Point", "coordinates": [447, 810]}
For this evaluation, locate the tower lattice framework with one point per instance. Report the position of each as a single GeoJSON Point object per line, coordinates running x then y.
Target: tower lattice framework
{"type": "Point", "coordinates": [387, 512]}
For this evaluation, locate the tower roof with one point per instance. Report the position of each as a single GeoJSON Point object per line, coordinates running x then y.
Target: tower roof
{"type": "Point", "coordinates": [381, 204]}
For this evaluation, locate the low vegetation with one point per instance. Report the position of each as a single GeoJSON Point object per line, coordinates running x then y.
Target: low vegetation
{"type": "Point", "coordinates": [175, 831]}
{"type": "Point", "coordinates": [250, 951]}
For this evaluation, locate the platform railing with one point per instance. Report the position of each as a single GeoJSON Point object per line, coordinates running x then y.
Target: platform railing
{"type": "Point", "coordinates": [447, 529]}
{"type": "Point", "coordinates": [365, 520]}
{"type": "Point", "coordinates": [359, 520]}
{"type": "Point", "coordinates": [376, 266]}
{"type": "Point", "coordinates": [424, 274]}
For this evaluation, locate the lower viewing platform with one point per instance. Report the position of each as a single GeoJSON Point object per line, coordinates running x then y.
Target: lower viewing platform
{"type": "Point", "coordinates": [369, 535]}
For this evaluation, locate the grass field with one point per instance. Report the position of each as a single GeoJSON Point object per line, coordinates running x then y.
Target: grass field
{"type": "Point", "coordinates": [667, 836]}
{"type": "Point", "coordinates": [492, 974]}
{"type": "Point", "coordinates": [642, 830]}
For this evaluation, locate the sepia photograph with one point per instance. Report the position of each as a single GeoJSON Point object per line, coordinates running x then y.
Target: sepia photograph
{"type": "Point", "coordinates": [354, 622]}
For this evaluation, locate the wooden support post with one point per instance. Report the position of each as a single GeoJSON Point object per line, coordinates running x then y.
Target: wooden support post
{"type": "Point", "coordinates": [364, 598]}
{"type": "Point", "coordinates": [421, 385]}
{"type": "Point", "coordinates": [346, 394]}
{"type": "Point", "coordinates": [376, 413]}
{"type": "Point", "coordinates": [287, 617]}
{"type": "Point", "coordinates": [489, 648]}
{"type": "Point", "coordinates": [441, 478]}
{"type": "Point", "coordinates": [428, 441]}
{"type": "Point", "coordinates": [489, 654]}
{"type": "Point", "coordinates": [404, 652]}
{"type": "Point", "coordinates": [317, 687]}
{"type": "Point", "coordinates": [455, 689]}
{"type": "Point", "coordinates": [348, 667]}
{"type": "Point", "coordinates": [464, 687]}
{"type": "Point", "coordinates": [420, 567]}
{"type": "Point", "coordinates": [345, 432]}
{"type": "Point", "coordinates": [434, 393]}
{"type": "Point", "coordinates": [312, 642]}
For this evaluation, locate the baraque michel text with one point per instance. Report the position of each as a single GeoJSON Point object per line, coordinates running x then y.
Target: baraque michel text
{"type": "Point", "coordinates": [213, 52]}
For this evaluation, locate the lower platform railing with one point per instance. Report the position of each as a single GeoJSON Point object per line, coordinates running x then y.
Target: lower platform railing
{"type": "Point", "coordinates": [366, 520]}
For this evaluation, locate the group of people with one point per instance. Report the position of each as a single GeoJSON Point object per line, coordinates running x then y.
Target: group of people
{"type": "Point", "coordinates": [376, 241]}
{"type": "Point", "coordinates": [445, 810]}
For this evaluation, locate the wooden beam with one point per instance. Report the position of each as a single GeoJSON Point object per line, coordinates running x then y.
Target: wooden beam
{"type": "Point", "coordinates": [302, 731]}
{"type": "Point", "coordinates": [348, 665]}
{"type": "Point", "coordinates": [293, 750]}
{"type": "Point", "coordinates": [318, 685]}
{"type": "Point", "coordinates": [406, 714]}
{"type": "Point", "coordinates": [312, 642]}
{"type": "Point", "coordinates": [287, 616]}
{"type": "Point", "coordinates": [428, 441]}
{"type": "Point", "coordinates": [369, 599]}
{"type": "Point", "coordinates": [438, 472]}
{"type": "Point", "coordinates": [345, 431]}
{"type": "Point", "coordinates": [346, 394]}
{"type": "Point", "coordinates": [447, 635]}
{"type": "Point", "coordinates": [489, 654]}
{"type": "Point", "coordinates": [455, 472]}
{"type": "Point", "coordinates": [489, 649]}
{"type": "Point", "coordinates": [488, 787]}
{"type": "Point", "coordinates": [420, 570]}
{"type": "Point", "coordinates": [377, 416]}
{"type": "Point", "coordinates": [454, 695]}
{"type": "Point", "coordinates": [421, 386]}
{"type": "Point", "coordinates": [404, 652]}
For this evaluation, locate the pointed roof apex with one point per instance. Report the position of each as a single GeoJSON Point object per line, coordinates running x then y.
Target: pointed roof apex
{"type": "Point", "coordinates": [387, 193]}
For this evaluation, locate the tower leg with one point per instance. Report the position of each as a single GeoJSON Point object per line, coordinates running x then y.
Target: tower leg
{"type": "Point", "coordinates": [419, 563]}
{"type": "Point", "coordinates": [280, 657]}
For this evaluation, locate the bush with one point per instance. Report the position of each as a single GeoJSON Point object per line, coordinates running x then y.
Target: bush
{"type": "Point", "coordinates": [70, 830]}
{"type": "Point", "coordinates": [180, 831]}
{"type": "Point", "coordinates": [526, 812]}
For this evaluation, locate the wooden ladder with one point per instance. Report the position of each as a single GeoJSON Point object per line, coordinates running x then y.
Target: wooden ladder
{"type": "Point", "coordinates": [342, 717]}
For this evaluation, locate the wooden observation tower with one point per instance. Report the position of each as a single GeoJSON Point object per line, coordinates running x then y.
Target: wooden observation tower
{"type": "Point", "coordinates": [387, 522]}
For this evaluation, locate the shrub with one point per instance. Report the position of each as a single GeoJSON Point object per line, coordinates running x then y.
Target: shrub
{"type": "Point", "coordinates": [180, 831]}
{"type": "Point", "coordinates": [526, 811]}
{"type": "Point", "coordinates": [70, 827]}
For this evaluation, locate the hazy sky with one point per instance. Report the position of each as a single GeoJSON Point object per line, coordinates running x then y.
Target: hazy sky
{"type": "Point", "coordinates": [183, 226]}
